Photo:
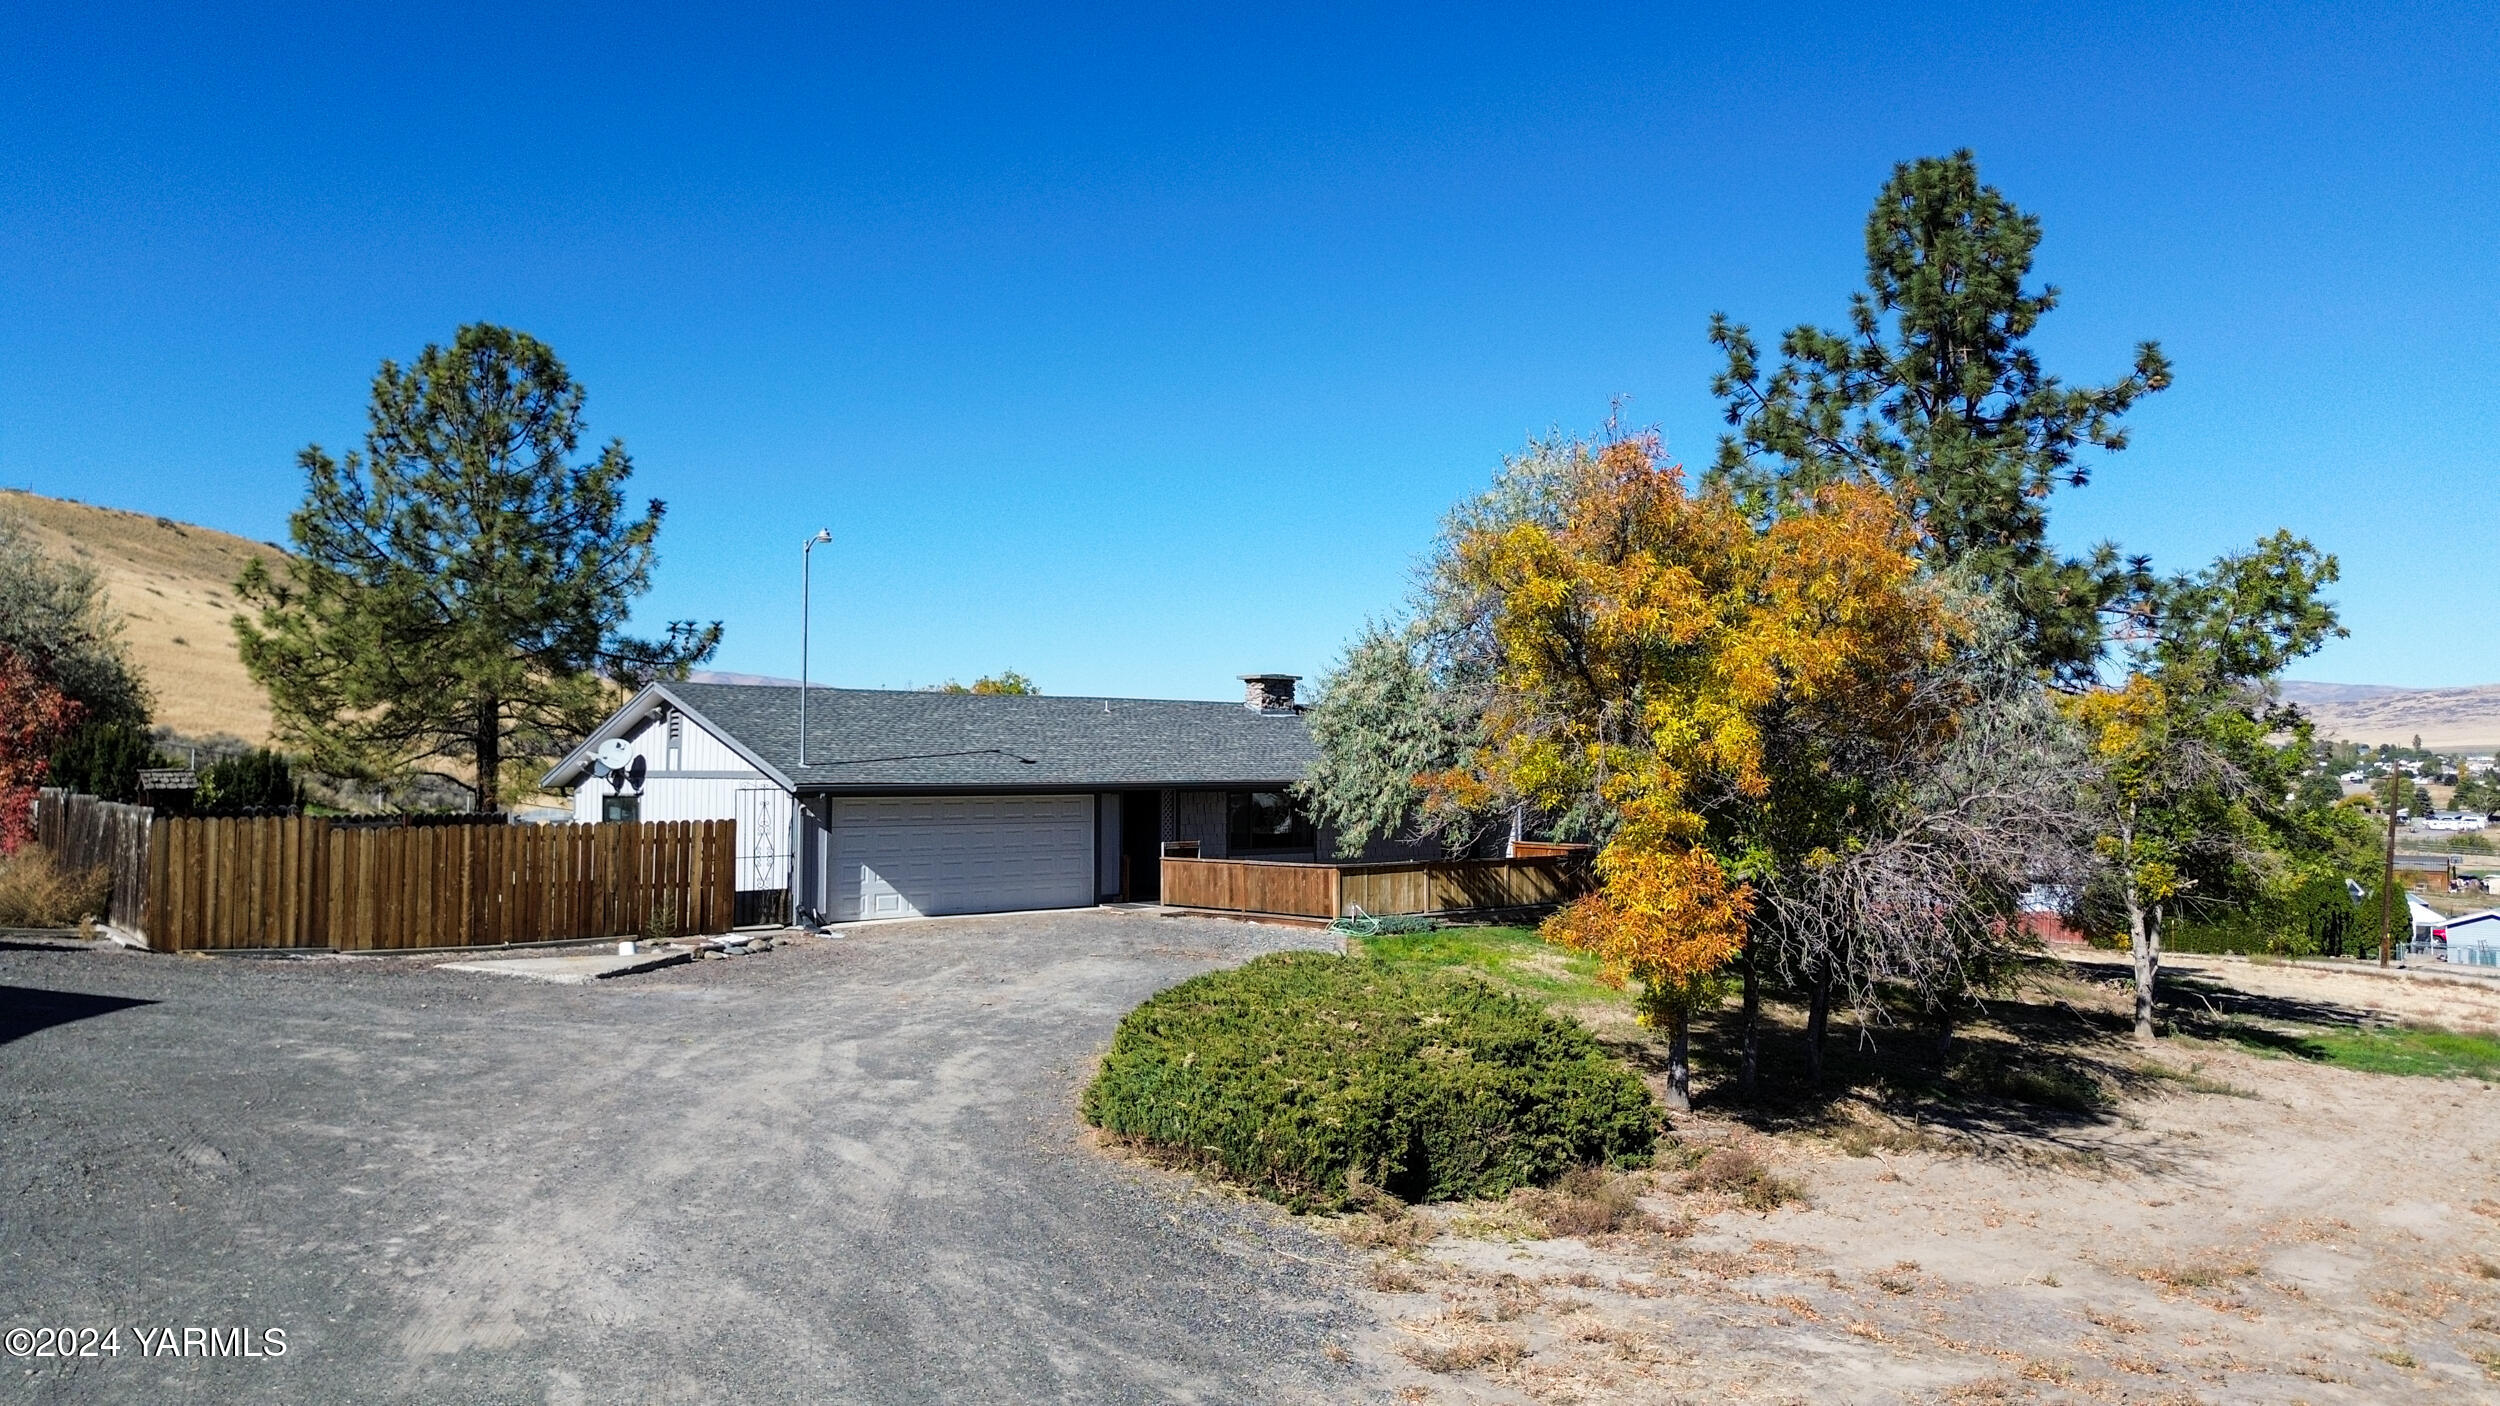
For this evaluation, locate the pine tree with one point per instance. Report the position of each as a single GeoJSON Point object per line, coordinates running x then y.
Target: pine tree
{"type": "Point", "coordinates": [458, 591]}
{"type": "Point", "coordinates": [1934, 391]}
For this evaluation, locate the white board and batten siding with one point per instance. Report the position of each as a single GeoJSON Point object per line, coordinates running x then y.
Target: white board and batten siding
{"type": "Point", "coordinates": [921, 856]}
{"type": "Point", "coordinates": [690, 774]}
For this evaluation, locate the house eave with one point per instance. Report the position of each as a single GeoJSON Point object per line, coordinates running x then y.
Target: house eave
{"type": "Point", "coordinates": [985, 788]}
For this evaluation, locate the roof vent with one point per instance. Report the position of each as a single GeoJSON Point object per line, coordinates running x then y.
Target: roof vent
{"type": "Point", "coordinates": [1269, 693]}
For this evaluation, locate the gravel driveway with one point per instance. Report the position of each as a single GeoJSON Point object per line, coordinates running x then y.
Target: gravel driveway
{"type": "Point", "coordinates": [846, 1170]}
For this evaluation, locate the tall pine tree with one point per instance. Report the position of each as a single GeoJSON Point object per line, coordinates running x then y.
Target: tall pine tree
{"type": "Point", "coordinates": [1934, 391]}
{"type": "Point", "coordinates": [458, 592]}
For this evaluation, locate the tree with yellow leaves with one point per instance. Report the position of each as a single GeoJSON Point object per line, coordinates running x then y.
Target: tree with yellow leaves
{"type": "Point", "coordinates": [1643, 649]}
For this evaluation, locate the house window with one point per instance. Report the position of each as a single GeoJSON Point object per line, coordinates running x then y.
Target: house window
{"type": "Point", "coordinates": [620, 808]}
{"type": "Point", "coordinates": [1266, 820]}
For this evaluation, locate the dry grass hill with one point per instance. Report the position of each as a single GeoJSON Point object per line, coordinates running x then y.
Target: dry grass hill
{"type": "Point", "coordinates": [2446, 719]}
{"type": "Point", "coordinates": [174, 586]}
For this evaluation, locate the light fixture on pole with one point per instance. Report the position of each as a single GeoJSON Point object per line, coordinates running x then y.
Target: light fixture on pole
{"type": "Point", "coordinates": [807, 555]}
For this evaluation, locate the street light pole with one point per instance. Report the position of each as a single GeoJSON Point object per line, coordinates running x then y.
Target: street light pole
{"type": "Point", "coordinates": [807, 555]}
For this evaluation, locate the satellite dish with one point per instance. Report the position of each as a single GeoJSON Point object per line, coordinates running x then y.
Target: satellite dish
{"type": "Point", "coordinates": [615, 753]}
{"type": "Point", "coordinates": [633, 775]}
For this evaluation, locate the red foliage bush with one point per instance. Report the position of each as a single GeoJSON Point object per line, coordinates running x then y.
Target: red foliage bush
{"type": "Point", "coordinates": [33, 717]}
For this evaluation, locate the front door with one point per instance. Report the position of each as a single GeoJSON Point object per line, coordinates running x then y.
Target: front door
{"type": "Point", "coordinates": [1141, 846]}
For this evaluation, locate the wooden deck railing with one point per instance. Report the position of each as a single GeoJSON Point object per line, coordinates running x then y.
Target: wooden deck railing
{"type": "Point", "coordinates": [1324, 891]}
{"type": "Point", "coordinates": [1547, 849]}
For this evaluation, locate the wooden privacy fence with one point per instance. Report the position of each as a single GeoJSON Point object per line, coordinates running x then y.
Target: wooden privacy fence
{"type": "Point", "coordinates": [304, 882]}
{"type": "Point", "coordinates": [1294, 890]}
{"type": "Point", "coordinates": [299, 881]}
{"type": "Point", "coordinates": [84, 832]}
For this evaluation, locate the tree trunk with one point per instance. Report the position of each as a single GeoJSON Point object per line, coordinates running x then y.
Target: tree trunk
{"type": "Point", "coordinates": [1750, 1068]}
{"type": "Point", "coordinates": [2144, 941]}
{"type": "Point", "coordinates": [2143, 935]}
{"type": "Point", "coordinates": [1679, 1061]}
{"type": "Point", "coordinates": [489, 755]}
{"type": "Point", "coordinates": [2152, 968]}
{"type": "Point", "coordinates": [1818, 1020]}
{"type": "Point", "coordinates": [1944, 1031]}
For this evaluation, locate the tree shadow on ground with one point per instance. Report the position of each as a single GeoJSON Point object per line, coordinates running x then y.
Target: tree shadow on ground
{"type": "Point", "coordinates": [2187, 998]}
{"type": "Point", "coordinates": [2033, 1075]}
{"type": "Point", "coordinates": [25, 1010]}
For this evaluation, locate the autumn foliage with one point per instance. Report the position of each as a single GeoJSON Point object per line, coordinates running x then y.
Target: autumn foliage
{"type": "Point", "coordinates": [34, 715]}
{"type": "Point", "coordinates": [1652, 644]}
{"type": "Point", "coordinates": [2125, 727]}
{"type": "Point", "coordinates": [1668, 918]}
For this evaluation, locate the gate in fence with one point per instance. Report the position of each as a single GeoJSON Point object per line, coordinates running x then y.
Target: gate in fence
{"type": "Point", "coordinates": [84, 832]}
{"type": "Point", "coordinates": [763, 819]}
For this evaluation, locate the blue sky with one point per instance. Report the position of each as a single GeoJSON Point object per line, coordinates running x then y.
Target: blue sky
{"type": "Point", "coordinates": [1136, 352]}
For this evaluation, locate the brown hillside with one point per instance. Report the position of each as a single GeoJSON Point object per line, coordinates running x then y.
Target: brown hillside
{"type": "Point", "coordinates": [174, 586]}
{"type": "Point", "coordinates": [2455, 719]}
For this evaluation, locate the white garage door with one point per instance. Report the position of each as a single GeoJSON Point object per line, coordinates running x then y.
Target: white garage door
{"type": "Point", "coordinates": [919, 857]}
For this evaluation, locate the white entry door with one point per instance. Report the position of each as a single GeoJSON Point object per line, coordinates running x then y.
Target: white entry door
{"type": "Point", "coordinates": [922, 856]}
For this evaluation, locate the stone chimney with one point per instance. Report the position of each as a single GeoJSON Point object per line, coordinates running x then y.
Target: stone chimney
{"type": "Point", "coordinates": [1270, 693]}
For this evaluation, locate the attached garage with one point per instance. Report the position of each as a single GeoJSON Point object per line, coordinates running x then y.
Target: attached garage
{"type": "Point", "coordinates": [921, 856]}
{"type": "Point", "coordinates": [901, 804]}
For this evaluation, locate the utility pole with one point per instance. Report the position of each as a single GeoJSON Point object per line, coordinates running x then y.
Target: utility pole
{"type": "Point", "coordinates": [2387, 881]}
{"type": "Point", "coordinates": [806, 561]}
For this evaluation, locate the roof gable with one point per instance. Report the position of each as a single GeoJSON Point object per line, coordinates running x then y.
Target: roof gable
{"type": "Point", "coordinates": [632, 715]}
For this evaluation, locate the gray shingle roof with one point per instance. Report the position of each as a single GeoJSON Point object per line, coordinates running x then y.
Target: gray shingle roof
{"type": "Point", "coordinates": [874, 739]}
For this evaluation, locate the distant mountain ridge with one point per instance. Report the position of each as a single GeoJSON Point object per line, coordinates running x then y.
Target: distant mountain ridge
{"type": "Point", "coordinates": [2303, 692]}
{"type": "Point", "coordinates": [2444, 718]}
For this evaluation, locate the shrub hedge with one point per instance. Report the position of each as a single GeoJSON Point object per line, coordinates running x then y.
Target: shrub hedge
{"type": "Point", "coordinates": [1300, 1066]}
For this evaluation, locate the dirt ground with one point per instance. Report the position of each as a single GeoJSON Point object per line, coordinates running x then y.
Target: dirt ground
{"type": "Point", "coordinates": [2228, 1227]}
{"type": "Point", "coordinates": [851, 1170]}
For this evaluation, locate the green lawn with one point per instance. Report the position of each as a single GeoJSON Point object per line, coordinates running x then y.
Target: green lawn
{"type": "Point", "coordinates": [1515, 959]}
{"type": "Point", "coordinates": [2399, 1049]}
{"type": "Point", "coordinates": [2381, 1049]}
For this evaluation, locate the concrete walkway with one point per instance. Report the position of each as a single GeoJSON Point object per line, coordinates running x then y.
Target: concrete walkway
{"type": "Point", "coordinates": [572, 969]}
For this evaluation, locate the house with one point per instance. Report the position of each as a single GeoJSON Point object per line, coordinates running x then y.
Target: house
{"type": "Point", "coordinates": [2475, 939]}
{"type": "Point", "coordinates": [917, 803]}
{"type": "Point", "coordinates": [2429, 924]}
{"type": "Point", "coordinates": [2429, 873]}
